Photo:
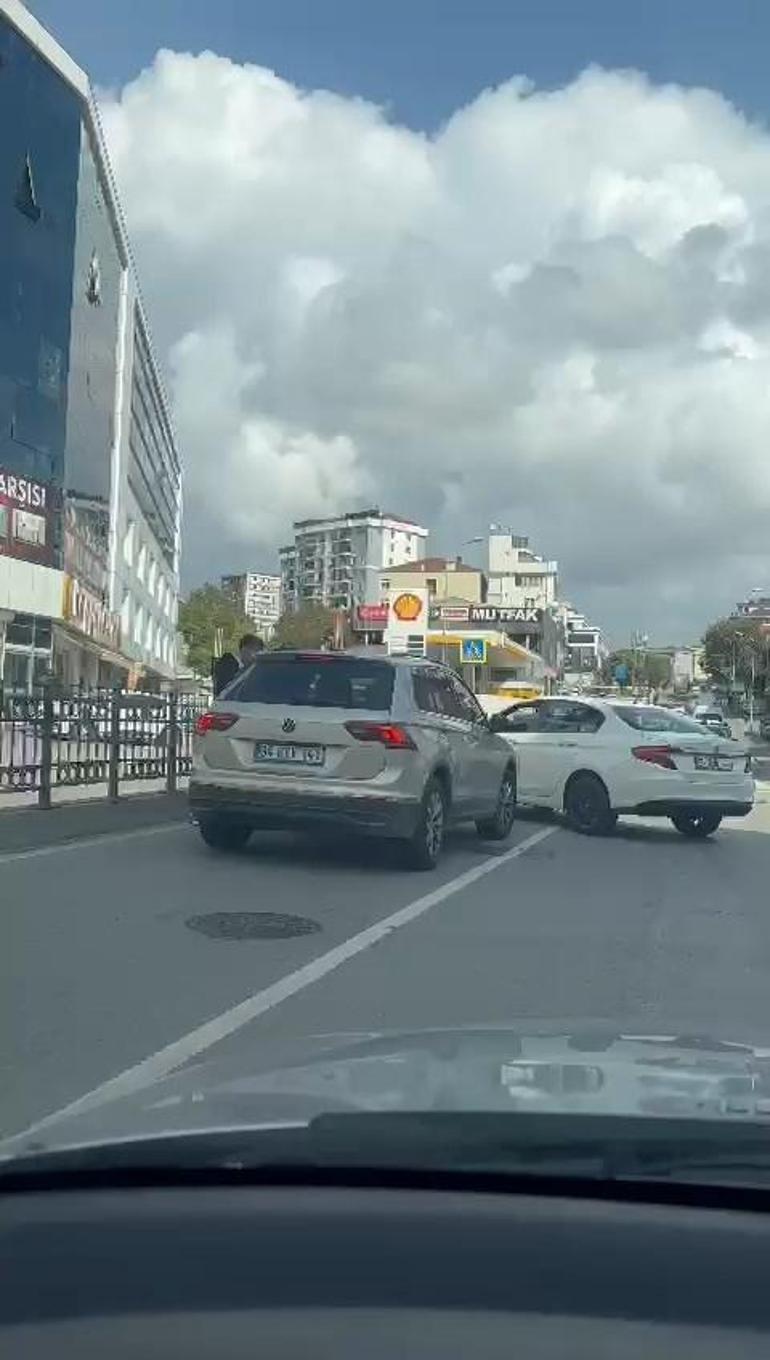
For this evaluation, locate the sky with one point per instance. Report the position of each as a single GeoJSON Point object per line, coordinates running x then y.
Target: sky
{"type": "Point", "coordinates": [489, 260]}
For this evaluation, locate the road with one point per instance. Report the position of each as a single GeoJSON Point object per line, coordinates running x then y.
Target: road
{"type": "Point", "coordinates": [116, 964]}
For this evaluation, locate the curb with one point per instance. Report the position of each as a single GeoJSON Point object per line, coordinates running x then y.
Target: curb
{"type": "Point", "coordinates": [28, 828]}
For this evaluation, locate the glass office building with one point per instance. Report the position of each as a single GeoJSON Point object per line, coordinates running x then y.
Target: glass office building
{"type": "Point", "coordinates": [90, 478]}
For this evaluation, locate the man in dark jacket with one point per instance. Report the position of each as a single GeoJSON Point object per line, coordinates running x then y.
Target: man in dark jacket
{"type": "Point", "coordinates": [224, 668]}
{"type": "Point", "coordinates": [249, 648]}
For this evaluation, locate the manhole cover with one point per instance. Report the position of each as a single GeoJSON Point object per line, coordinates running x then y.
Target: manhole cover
{"type": "Point", "coordinates": [251, 925]}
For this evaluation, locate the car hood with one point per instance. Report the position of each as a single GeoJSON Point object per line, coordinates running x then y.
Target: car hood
{"type": "Point", "coordinates": [469, 1069]}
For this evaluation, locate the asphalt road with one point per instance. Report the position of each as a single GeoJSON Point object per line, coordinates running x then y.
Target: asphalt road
{"type": "Point", "coordinates": [116, 965]}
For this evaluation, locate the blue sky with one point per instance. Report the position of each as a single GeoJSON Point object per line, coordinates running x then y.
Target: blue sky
{"type": "Point", "coordinates": [425, 58]}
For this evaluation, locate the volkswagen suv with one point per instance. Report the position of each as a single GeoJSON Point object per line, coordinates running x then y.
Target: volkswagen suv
{"type": "Point", "coordinates": [384, 746]}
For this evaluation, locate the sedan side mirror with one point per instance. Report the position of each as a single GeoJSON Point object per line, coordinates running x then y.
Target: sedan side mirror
{"type": "Point", "coordinates": [497, 723]}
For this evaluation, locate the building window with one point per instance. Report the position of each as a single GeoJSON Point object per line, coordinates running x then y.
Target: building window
{"type": "Point", "coordinates": [26, 200]}
{"type": "Point", "coordinates": [138, 626]}
{"type": "Point", "coordinates": [29, 528]}
{"type": "Point", "coordinates": [431, 584]}
{"type": "Point", "coordinates": [128, 543]}
{"type": "Point", "coordinates": [141, 566]}
{"type": "Point", "coordinates": [151, 575]}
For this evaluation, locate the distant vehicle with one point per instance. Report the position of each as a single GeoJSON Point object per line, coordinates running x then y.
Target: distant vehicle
{"type": "Point", "coordinates": [595, 760]}
{"type": "Point", "coordinates": [393, 747]}
{"type": "Point", "coordinates": [764, 728]}
{"type": "Point", "coordinates": [714, 720]}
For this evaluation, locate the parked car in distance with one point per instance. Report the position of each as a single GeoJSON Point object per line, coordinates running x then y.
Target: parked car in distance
{"type": "Point", "coordinates": [391, 747]}
{"type": "Point", "coordinates": [595, 760]}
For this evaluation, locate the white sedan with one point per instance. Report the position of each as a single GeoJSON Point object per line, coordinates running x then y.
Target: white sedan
{"type": "Point", "coordinates": [594, 759]}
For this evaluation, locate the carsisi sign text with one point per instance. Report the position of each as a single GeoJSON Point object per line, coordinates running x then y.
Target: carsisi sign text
{"type": "Point", "coordinates": [21, 491]}
{"type": "Point", "coordinates": [407, 607]}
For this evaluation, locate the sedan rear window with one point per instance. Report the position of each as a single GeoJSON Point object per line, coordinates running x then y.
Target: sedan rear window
{"type": "Point", "coordinates": [648, 719]}
{"type": "Point", "coordinates": [325, 681]}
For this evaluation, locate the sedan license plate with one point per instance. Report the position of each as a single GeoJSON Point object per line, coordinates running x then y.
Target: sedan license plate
{"type": "Point", "coordinates": [713, 763]}
{"type": "Point", "coordinates": [288, 753]}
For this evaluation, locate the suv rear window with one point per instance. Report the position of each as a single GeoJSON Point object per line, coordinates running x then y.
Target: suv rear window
{"type": "Point", "coordinates": [645, 719]}
{"type": "Point", "coordinates": [325, 681]}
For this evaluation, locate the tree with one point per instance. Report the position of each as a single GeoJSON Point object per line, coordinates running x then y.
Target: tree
{"type": "Point", "coordinates": [646, 670]}
{"type": "Point", "coordinates": [312, 625]}
{"type": "Point", "coordinates": [211, 622]}
{"type": "Point", "coordinates": [736, 651]}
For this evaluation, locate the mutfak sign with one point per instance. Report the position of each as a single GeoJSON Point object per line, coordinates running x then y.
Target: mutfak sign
{"type": "Point", "coordinates": [507, 614]}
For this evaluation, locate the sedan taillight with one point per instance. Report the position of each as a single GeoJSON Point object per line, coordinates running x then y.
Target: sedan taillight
{"type": "Point", "coordinates": [393, 736]}
{"type": "Point", "coordinates": [656, 755]}
{"type": "Point", "coordinates": [214, 722]}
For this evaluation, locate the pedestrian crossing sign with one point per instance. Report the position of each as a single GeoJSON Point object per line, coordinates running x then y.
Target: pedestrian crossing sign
{"type": "Point", "coordinates": [473, 651]}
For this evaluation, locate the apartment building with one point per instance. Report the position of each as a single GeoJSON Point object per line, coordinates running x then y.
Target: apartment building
{"type": "Point", "coordinates": [259, 596]}
{"type": "Point", "coordinates": [586, 648]}
{"type": "Point", "coordinates": [517, 576]}
{"type": "Point", "coordinates": [444, 578]}
{"type": "Point", "coordinates": [338, 561]}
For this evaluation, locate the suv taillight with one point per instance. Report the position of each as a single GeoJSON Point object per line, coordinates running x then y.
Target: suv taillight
{"type": "Point", "coordinates": [395, 737]}
{"type": "Point", "coordinates": [214, 722]}
{"type": "Point", "coordinates": [656, 755]}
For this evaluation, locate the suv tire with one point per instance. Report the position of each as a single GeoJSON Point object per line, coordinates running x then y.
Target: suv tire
{"type": "Point", "coordinates": [498, 827]}
{"type": "Point", "coordinates": [425, 844]}
{"type": "Point", "coordinates": [223, 834]}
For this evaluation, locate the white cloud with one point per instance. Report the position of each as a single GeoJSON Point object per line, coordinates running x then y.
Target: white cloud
{"type": "Point", "coordinates": [554, 313]}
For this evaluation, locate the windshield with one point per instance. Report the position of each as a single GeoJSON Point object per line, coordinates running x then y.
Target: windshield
{"type": "Point", "coordinates": [384, 570]}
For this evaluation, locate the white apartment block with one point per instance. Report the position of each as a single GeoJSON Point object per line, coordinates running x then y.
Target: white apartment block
{"type": "Point", "coordinates": [517, 576]}
{"type": "Point", "coordinates": [337, 561]}
{"type": "Point", "coordinates": [259, 595]}
{"type": "Point", "coordinates": [587, 648]}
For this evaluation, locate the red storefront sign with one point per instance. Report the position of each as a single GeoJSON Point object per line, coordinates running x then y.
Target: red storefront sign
{"type": "Point", "coordinates": [27, 510]}
{"type": "Point", "coordinates": [372, 616]}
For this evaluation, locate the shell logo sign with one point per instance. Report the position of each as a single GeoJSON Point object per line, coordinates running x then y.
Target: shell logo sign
{"type": "Point", "coordinates": [407, 607]}
{"type": "Point", "coordinates": [407, 622]}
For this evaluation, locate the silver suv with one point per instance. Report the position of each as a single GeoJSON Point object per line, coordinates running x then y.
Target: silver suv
{"type": "Point", "coordinates": [384, 746]}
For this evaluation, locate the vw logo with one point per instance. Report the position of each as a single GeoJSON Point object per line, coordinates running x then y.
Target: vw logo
{"type": "Point", "coordinates": [288, 724]}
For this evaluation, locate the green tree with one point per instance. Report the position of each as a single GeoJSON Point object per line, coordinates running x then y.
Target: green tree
{"type": "Point", "coordinates": [737, 651]}
{"type": "Point", "coordinates": [310, 626]}
{"type": "Point", "coordinates": [211, 622]}
{"type": "Point", "coordinates": [646, 669]}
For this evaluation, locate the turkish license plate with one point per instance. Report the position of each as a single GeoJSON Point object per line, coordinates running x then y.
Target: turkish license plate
{"type": "Point", "coordinates": [713, 763]}
{"type": "Point", "coordinates": [288, 753]}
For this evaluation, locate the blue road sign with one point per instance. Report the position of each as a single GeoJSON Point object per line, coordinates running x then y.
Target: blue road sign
{"type": "Point", "coordinates": [474, 651]}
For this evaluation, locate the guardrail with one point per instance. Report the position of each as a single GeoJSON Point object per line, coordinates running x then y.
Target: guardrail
{"type": "Point", "coordinates": [56, 738]}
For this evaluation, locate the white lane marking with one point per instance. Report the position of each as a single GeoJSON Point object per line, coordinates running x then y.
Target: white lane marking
{"type": "Point", "coordinates": [162, 1062]}
{"type": "Point", "coordinates": [85, 842]}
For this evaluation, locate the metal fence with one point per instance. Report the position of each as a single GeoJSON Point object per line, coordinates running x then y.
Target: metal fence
{"type": "Point", "coordinates": [56, 738]}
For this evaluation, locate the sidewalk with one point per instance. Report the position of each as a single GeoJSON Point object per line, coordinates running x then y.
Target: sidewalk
{"type": "Point", "coordinates": [78, 793]}
{"type": "Point", "coordinates": [27, 828]}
